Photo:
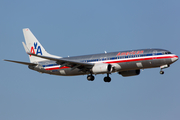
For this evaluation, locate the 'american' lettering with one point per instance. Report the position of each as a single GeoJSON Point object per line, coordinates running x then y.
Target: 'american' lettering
{"type": "Point", "coordinates": [130, 53]}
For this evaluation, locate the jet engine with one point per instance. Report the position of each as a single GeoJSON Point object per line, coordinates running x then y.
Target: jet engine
{"type": "Point", "coordinates": [129, 73]}
{"type": "Point", "coordinates": [101, 68]}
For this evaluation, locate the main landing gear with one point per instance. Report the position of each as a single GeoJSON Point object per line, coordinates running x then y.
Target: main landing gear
{"type": "Point", "coordinates": [91, 78]}
{"type": "Point", "coordinates": [107, 79]}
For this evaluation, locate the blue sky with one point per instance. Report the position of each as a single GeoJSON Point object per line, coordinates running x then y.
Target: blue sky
{"type": "Point", "coordinates": [70, 28]}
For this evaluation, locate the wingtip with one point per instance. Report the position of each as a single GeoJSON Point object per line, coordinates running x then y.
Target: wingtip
{"type": "Point", "coordinates": [4, 60]}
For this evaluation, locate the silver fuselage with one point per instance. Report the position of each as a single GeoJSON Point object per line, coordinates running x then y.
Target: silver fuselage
{"type": "Point", "coordinates": [127, 60]}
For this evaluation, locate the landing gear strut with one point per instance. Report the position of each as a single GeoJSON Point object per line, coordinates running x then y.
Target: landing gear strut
{"type": "Point", "coordinates": [107, 79]}
{"type": "Point", "coordinates": [90, 77]}
{"type": "Point", "coordinates": [163, 67]}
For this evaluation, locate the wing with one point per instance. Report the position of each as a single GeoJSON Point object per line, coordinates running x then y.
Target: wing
{"type": "Point", "coordinates": [66, 62]}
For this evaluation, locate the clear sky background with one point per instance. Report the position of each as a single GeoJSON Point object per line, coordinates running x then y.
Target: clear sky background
{"type": "Point", "coordinates": [79, 27]}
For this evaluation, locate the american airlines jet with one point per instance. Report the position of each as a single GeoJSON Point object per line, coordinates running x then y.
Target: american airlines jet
{"type": "Point", "coordinates": [126, 63]}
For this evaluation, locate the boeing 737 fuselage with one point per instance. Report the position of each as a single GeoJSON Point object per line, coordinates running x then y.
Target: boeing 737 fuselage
{"type": "Point", "coordinates": [126, 63]}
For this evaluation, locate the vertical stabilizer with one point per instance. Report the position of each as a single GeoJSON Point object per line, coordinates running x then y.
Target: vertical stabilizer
{"type": "Point", "coordinates": [35, 46]}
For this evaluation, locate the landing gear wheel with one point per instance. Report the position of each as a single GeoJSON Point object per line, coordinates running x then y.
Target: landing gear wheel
{"type": "Point", "coordinates": [107, 79]}
{"type": "Point", "coordinates": [161, 72]}
{"type": "Point", "coordinates": [90, 77]}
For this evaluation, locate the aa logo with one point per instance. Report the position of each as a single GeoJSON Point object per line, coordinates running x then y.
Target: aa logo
{"type": "Point", "coordinates": [36, 49]}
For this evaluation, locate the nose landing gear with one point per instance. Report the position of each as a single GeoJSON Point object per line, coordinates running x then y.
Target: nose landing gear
{"type": "Point", "coordinates": [163, 67]}
{"type": "Point", "coordinates": [161, 72]}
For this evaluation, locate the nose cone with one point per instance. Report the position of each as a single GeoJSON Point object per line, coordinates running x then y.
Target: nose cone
{"type": "Point", "coordinates": [174, 59]}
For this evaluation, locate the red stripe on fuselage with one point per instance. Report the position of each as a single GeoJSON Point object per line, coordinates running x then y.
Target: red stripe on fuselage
{"type": "Point", "coordinates": [55, 68]}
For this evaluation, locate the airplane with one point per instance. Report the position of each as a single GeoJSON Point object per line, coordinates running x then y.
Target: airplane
{"type": "Point", "coordinates": [126, 63]}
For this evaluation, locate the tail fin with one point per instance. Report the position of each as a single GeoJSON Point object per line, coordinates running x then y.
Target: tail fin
{"type": "Point", "coordinates": [35, 46]}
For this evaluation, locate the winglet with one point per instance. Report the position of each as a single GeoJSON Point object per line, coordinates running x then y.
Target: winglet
{"type": "Point", "coordinates": [26, 49]}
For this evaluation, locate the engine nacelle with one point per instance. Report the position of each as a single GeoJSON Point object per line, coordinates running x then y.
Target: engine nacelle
{"type": "Point", "coordinates": [130, 73]}
{"type": "Point", "coordinates": [101, 68]}
{"type": "Point", "coordinates": [116, 67]}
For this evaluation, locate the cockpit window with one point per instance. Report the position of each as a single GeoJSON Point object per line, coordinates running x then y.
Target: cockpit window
{"type": "Point", "coordinates": [167, 52]}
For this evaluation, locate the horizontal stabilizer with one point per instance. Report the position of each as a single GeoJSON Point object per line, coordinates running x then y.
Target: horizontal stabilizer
{"type": "Point", "coordinates": [24, 63]}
